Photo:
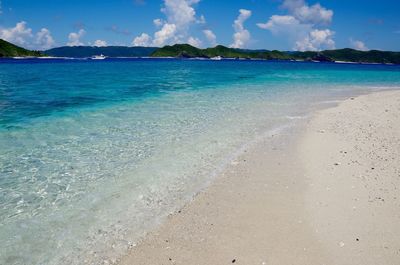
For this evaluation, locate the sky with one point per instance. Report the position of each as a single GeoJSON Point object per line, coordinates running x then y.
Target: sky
{"type": "Point", "coordinates": [251, 24]}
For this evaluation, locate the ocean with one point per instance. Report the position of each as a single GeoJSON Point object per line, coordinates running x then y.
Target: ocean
{"type": "Point", "coordinates": [93, 154]}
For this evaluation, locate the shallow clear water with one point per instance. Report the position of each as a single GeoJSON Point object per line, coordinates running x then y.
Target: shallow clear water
{"type": "Point", "coordinates": [93, 154]}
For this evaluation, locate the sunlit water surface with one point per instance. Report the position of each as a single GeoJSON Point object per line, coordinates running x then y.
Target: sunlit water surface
{"type": "Point", "coordinates": [93, 154]}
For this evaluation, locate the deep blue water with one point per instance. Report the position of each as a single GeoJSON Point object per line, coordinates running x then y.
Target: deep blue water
{"type": "Point", "coordinates": [37, 87]}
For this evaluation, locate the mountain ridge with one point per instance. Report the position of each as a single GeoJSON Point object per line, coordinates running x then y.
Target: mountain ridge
{"type": "Point", "coordinates": [8, 49]}
{"type": "Point", "coordinates": [109, 51]}
{"type": "Point", "coordinates": [345, 55]}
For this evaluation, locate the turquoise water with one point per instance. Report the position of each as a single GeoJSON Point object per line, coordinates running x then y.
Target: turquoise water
{"type": "Point", "coordinates": [93, 154]}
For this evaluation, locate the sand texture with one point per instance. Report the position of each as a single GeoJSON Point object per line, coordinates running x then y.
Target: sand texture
{"type": "Point", "coordinates": [325, 192]}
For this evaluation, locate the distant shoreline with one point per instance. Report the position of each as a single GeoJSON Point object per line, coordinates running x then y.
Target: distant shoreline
{"type": "Point", "coordinates": [27, 58]}
{"type": "Point", "coordinates": [186, 51]}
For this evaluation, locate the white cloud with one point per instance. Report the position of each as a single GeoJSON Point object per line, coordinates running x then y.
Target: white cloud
{"type": "Point", "coordinates": [23, 36]}
{"type": "Point", "coordinates": [180, 16]}
{"type": "Point", "coordinates": [19, 35]}
{"type": "Point", "coordinates": [165, 35]}
{"type": "Point", "coordinates": [195, 42]}
{"type": "Point", "coordinates": [358, 45]}
{"type": "Point", "coordinates": [276, 21]}
{"type": "Point", "coordinates": [316, 40]}
{"type": "Point", "coordinates": [285, 25]}
{"type": "Point", "coordinates": [315, 14]}
{"type": "Point", "coordinates": [74, 38]}
{"type": "Point", "coordinates": [44, 40]}
{"type": "Point", "coordinates": [302, 25]}
{"type": "Point", "coordinates": [143, 40]}
{"type": "Point", "coordinates": [180, 12]}
{"type": "Point", "coordinates": [241, 36]}
{"type": "Point", "coordinates": [210, 36]}
{"type": "Point", "coordinates": [100, 43]}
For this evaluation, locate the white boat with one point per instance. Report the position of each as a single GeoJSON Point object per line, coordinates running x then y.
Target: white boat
{"type": "Point", "coordinates": [98, 57]}
{"type": "Point", "coordinates": [216, 58]}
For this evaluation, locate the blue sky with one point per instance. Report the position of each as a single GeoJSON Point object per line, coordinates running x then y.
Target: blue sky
{"type": "Point", "coordinates": [261, 24]}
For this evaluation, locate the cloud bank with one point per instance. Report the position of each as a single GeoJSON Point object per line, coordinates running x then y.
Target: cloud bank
{"type": "Point", "coordinates": [180, 16]}
{"type": "Point", "coordinates": [210, 36]}
{"type": "Point", "coordinates": [358, 45]}
{"type": "Point", "coordinates": [303, 24]}
{"type": "Point", "coordinates": [74, 38]}
{"type": "Point", "coordinates": [100, 43]}
{"type": "Point", "coordinates": [142, 40]}
{"type": "Point", "coordinates": [316, 14]}
{"type": "Point", "coordinates": [196, 42]}
{"type": "Point", "coordinates": [241, 37]}
{"type": "Point", "coordinates": [44, 40]}
{"type": "Point", "coordinates": [23, 36]}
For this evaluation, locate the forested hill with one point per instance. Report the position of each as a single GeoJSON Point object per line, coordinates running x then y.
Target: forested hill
{"type": "Point", "coordinates": [346, 55]}
{"type": "Point", "coordinates": [109, 51]}
{"type": "Point", "coordinates": [8, 49]}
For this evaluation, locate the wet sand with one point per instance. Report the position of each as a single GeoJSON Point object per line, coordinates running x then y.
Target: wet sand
{"type": "Point", "coordinates": [324, 192]}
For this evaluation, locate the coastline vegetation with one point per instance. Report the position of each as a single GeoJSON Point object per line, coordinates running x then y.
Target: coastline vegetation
{"type": "Point", "coordinates": [8, 49]}
{"type": "Point", "coordinates": [345, 55]}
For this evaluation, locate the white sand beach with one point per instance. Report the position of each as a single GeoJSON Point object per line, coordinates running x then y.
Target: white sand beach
{"type": "Point", "coordinates": [323, 193]}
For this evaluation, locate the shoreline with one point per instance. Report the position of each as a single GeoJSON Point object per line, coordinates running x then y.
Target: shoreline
{"type": "Point", "coordinates": [261, 209]}
{"type": "Point", "coordinates": [44, 58]}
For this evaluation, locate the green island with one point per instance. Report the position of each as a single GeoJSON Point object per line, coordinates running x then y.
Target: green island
{"type": "Point", "coordinates": [341, 55]}
{"type": "Point", "coordinates": [109, 51]}
{"type": "Point", "coordinates": [8, 49]}
{"type": "Point", "coordinates": [188, 51]}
